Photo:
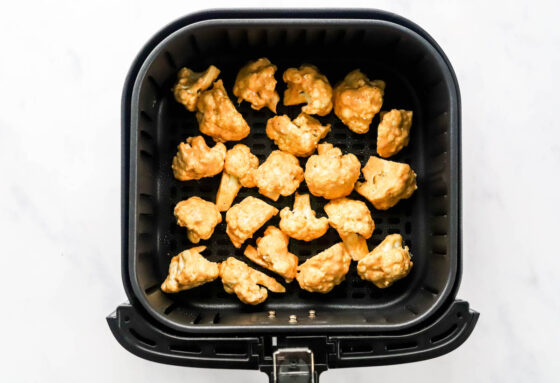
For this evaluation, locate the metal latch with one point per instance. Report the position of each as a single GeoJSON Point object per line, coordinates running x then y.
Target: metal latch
{"type": "Point", "coordinates": [293, 365]}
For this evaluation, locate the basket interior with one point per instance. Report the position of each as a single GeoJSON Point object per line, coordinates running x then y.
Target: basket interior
{"type": "Point", "coordinates": [417, 80]}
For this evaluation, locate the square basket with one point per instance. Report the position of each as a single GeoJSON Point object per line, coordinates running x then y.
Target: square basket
{"type": "Point", "coordinates": [384, 46]}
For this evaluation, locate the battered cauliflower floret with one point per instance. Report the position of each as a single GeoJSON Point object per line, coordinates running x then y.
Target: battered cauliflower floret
{"type": "Point", "coordinates": [190, 84]}
{"type": "Point", "coordinates": [272, 253]}
{"type": "Point", "coordinates": [393, 132]}
{"type": "Point", "coordinates": [246, 282]}
{"type": "Point", "coordinates": [239, 170]}
{"type": "Point", "coordinates": [299, 137]}
{"type": "Point", "coordinates": [357, 100]}
{"type": "Point", "coordinates": [301, 222]}
{"type": "Point", "coordinates": [217, 116]}
{"type": "Point", "coordinates": [352, 220]}
{"type": "Point", "coordinates": [386, 182]}
{"type": "Point", "coordinates": [322, 272]}
{"type": "Point", "coordinates": [246, 217]}
{"type": "Point", "coordinates": [195, 160]}
{"type": "Point", "coordinates": [330, 174]}
{"type": "Point", "coordinates": [189, 269]}
{"type": "Point", "coordinates": [200, 217]}
{"type": "Point", "coordinates": [279, 175]}
{"type": "Point", "coordinates": [307, 85]}
{"type": "Point", "coordinates": [255, 83]}
{"type": "Point", "coordinates": [387, 263]}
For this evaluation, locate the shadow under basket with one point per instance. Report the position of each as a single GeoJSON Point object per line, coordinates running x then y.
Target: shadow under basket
{"type": "Point", "coordinates": [356, 324]}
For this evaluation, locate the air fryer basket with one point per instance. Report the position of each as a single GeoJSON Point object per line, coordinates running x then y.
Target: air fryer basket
{"type": "Point", "coordinates": [418, 77]}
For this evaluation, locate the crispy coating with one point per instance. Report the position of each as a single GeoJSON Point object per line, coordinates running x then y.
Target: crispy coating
{"type": "Point", "coordinates": [393, 132]}
{"type": "Point", "coordinates": [301, 222]}
{"type": "Point", "coordinates": [255, 83]}
{"type": "Point", "coordinates": [246, 217]}
{"type": "Point", "coordinates": [387, 263]}
{"type": "Point", "coordinates": [386, 182]}
{"type": "Point", "coordinates": [217, 116]}
{"type": "Point", "coordinates": [200, 217]}
{"type": "Point", "coordinates": [330, 174]}
{"type": "Point", "coordinates": [322, 272]}
{"type": "Point", "coordinates": [246, 282]}
{"type": "Point", "coordinates": [189, 269]}
{"type": "Point", "coordinates": [243, 164]}
{"type": "Point", "coordinates": [239, 170]}
{"type": "Point", "coordinates": [279, 175]}
{"type": "Point", "coordinates": [190, 84]}
{"type": "Point", "coordinates": [272, 253]}
{"type": "Point", "coordinates": [352, 220]}
{"type": "Point", "coordinates": [195, 160]}
{"type": "Point", "coordinates": [299, 137]}
{"type": "Point", "coordinates": [227, 191]}
{"type": "Point", "coordinates": [357, 100]}
{"type": "Point", "coordinates": [307, 85]}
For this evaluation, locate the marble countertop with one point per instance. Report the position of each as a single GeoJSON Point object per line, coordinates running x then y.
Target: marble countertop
{"type": "Point", "coordinates": [61, 74]}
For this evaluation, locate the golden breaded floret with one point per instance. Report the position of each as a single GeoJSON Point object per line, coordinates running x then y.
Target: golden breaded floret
{"type": "Point", "coordinates": [217, 116]}
{"type": "Point", "coordinates": [241, 163]}
{"type": "Point", "coordinates": [190, 84]}
{"type": "Point", "coordinates": [393, 132]}
{"type": "Point", "coordinates": [246, 282]}
{"type": "Point", "coordinates": [200, 217]}
{"type": "Point", "coordinates": [386, 182]}
{"type": "Point", "coordinates": [279, 175]}
{"type": "Point", "coordinates": [239, 170]}
{"type": "Point", "coordinates": [330, 174]}
{"type": "Point", "coordinates": [357, 100]}
{"type": "Point", "coordinates": [195, 160]}
{"type": "Point", "coordinates": [301, 222]}
{"type": "Point", "coordinates": [352, 220]}
{"type": "Point", "coordinates": [322, 272]}
{"type": "Point", "coordinates": [307, 85]}
{"type": "Point", "coordinates": [272, 253]}
{"type": "Point", "coordinates": [255, 83]}
{"type": "Point", "coordinates": [246, 217]}
{"type": "Point", "coordinates": [299, 137]}
{"type": "Point", "coordinates": [189, 269]}
{"type": "Point", "coordinates": [387, 263]}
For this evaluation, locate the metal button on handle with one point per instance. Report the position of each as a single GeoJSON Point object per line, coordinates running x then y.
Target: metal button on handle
{"type": "Point", "coordinates": [293, 365]}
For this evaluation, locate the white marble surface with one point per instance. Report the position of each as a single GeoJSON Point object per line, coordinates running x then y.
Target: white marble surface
{"type": "Point", "coordinates": [61, 72]}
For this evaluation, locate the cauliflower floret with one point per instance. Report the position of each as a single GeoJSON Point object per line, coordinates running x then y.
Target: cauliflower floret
{"type": "Point", "coordinates": [352, 220]}
{"type": "Point", "coordinates": [357, 100]}
{"type": "Point", "coordinates": [190, 84]}
{"type": "Point", "coordinates": [301, 222]}
{"type": "Point", "coordinates": [299, 137]}
{"type": "Point", "coordinates": [330, 174]}
{"type": "Point", "coordinates": [246, 282]}
{"type": "Point", "coordinates": [272, 253]}
{"type": "Point", "coordinates": [307, 85]}
{"type": "Point", "coordinates": [255, 83]}
{"type": "Point", "coordinates": [195, 160]}
{"type": "Point", "coordinates": [322, 272]}
{"type": "Point", "coordinates": [393, 132]}
{"type": "Point", "coordinates": [189, 269]}
{"type": "Point", "coordinates": [200, 217]}
{"type": "Point", "coordinates": [239, 170]}
{"type": "Point", "coordinates": [386, 182]}
{"type": "Point", "coordinates": [217, 116]}
{"type": "Point", "coordinates": [246, 217]}
{"type": "Point", "coordinates": [279, 175]}
{"type": "Point", "coordinates": [387, 263]}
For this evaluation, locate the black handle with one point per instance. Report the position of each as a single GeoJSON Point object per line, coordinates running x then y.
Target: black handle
{"type": "Point", "coordinates": [312, 353]}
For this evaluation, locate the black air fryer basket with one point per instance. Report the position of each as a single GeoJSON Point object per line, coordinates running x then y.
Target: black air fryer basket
{"type": "Point", "coordinates": [295, 335]}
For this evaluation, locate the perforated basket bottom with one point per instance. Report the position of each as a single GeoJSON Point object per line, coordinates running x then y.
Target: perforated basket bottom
{"type": "Point", "coordinates": [176, 124]}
